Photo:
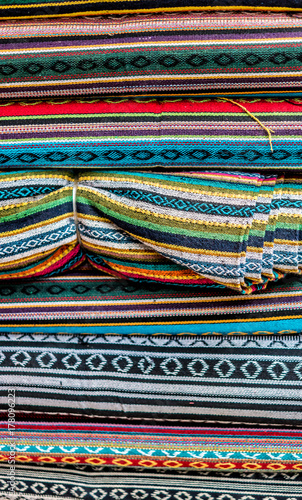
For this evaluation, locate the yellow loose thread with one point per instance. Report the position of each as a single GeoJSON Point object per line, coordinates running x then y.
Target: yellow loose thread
{"type": "Point", "coordinates": [268, 130]}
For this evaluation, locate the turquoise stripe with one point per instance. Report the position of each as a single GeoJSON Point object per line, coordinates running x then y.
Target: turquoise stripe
{"type": "Point", "coordinates": [236, 186]}
{"type": "Point", "coordinates": [247, 327]}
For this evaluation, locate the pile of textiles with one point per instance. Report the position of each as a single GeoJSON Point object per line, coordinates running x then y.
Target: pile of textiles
{"type": "Point", "coordinates": [151, 250]}
{"type": "Point", "coordinates": [237, 230]}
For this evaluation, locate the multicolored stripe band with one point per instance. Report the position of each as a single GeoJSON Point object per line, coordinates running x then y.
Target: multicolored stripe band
{"type": "Point", "coordinates": [123, 133]}
{"type": "Point", "coordinates": [235, 53]}
{"type": "Point", "coordinates": [90, 303]}
{"type": "Point", "coordinates": [156, 446]}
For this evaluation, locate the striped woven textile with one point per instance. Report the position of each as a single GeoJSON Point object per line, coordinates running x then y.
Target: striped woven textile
{"type": "Point", "coordinates": [188, 378]}
{"type": "Point", "coordinates": [181, 54]}
{"type": "Point", "coordinates": [95, 304]}
{"type": "Point", "coordinates": [97, 483]}
{"type": "Point", "coordinates": [234, 229]}
{"type": "Point", "coordinates": [123, 133]}
{"type": "Point", "coordinates": [152, 446]}
{"type": "Point", "coordinates": [10, 9]}
{"type": "Point", "coordinates": [38, 232]}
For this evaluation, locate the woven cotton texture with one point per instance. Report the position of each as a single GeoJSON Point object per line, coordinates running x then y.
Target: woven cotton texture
{"type": "Point", "coordinates": [238, 230]}
{"type": "Point", "coordinates": [49, 8]}
{"type": "Point", "coordinates": [193, 446]}
{"type": "Point", "coordinates": [196, 220]}
{"type": "Point", "coordinates": [236, 379]}
{"type": "Point", "coordinates": [92, 303]}
{"type": "Point", "coordinates": [141, 205]}
{"type": "Point", "coordinates": [134, 483]}
{"type": "Point", "coordinates": [181, 54]}
{"type": "Point", "coordinates": [127, 134]}
{"type": "Point", "coordinates": [154, 446]}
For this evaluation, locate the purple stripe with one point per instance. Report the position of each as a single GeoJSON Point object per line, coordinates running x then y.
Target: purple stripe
{"type": "Point", "coordinates": [200, 35]}
{"type": "Point", "coordinates": [267, 85]}
{"type": "Point", "coordinates": [151, 133]}
{"type": "Point", "coordinates": [173, 84]}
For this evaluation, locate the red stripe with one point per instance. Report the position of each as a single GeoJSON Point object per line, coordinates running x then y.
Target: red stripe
{"type": "Point", "coordinates": [102, 106]}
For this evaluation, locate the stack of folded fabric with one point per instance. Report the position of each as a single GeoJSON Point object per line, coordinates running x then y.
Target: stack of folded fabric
{"type": "Point", "coordinates": [151, 250]}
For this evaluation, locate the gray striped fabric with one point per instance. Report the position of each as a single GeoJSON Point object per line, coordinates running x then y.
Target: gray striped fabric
{"type": "Point", "coordinates": [102, 483]}
{"type": "Point", "coordinates": [239, 379]}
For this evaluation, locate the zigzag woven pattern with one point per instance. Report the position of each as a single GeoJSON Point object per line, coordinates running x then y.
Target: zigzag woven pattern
{"type": "Point", "coordinates": [242, 380]}
{"type": "Point", "coordinates": [238, 230]}
{"type": "Point", "coordinates": [127, 445]}
{"type": "Point", "coordinates": [126, 133]}
{"type": "Point", "coordinates": [187, 54]}
{"type": "Point", "coordinates": [49, 8]}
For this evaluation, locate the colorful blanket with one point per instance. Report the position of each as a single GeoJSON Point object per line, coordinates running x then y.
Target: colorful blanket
{"type": "Point", "coordinates": [181, 54]}
{"type": "Point", "coordinates": [232, 229]}
{"type": "Point", "coordinates": [94, 304]}
{"type": "Point", "coordinates": [123, 133]}
{"type": "Point", "coordinates": [186, 378]}
{"type": "Point", "coordinates": [52, 8]}
{"type": "Point", "coordinates": [152, 446]}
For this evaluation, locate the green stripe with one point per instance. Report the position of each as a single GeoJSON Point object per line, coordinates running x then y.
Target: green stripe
{"type": "Point", "coordinates": [50, 201]}
{"type": "Point", "coordinates": [229, 234]}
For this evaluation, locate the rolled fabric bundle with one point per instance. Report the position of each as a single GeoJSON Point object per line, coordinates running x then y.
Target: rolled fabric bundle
{"type": "Point", "coordinates": [238, 230]}
{"type": "Point", "coordinates": [224, 54]}
{"type": "Point", "coordinates": [218, 226]}
{"type": "Point", "coordinates": [40, 235]}
{"type": "Point", "coordinates": [100, 133]}
{"type": "Point", "coordinates": [38, 232]}
{"type": "Point", "coordinates": [10, 9]}
{"type": "Point", "coordinates": [234, 229]}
